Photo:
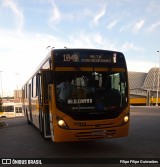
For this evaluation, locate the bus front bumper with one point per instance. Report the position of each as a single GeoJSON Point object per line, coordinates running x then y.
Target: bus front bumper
{"type": "Point", "coordinates": [68, 135]}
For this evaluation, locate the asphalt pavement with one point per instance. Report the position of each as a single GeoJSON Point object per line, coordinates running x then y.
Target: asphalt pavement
{"type": "Point", "coordinates": [20, 140]}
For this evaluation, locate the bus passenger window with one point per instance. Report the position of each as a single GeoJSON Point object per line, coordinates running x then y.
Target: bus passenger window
{"type": "Point", "coordinates": [9, 109]}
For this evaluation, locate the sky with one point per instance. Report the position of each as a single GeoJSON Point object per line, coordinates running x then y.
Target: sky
{"type": "Point", "coordinates": [28, 27]}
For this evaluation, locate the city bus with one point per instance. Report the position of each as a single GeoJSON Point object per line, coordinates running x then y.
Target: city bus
{"type": "Point", "coordinates": [11, 110]}
{"type": "Point", "coordinates": [79, 95]}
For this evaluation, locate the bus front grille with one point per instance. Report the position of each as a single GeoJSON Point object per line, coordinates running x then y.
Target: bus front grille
{"type": "Point", "coordinates": [96, 134]}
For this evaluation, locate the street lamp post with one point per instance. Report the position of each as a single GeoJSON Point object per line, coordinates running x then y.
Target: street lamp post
{"type": "Point", "coordinates": [158, 80]}
{"type": "Point", "coordinates": [1, 84]}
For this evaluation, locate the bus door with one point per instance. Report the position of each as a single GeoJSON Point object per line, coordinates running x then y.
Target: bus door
{"type": "Point", "coordinates": [45, 111]}
{"type": "Point", "coordinates": [30, 105]}
{"type": "Point", "coordinates": [40, 102]}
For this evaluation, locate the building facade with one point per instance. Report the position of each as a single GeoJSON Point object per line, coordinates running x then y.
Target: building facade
{"type": "Point", "coordinates": [145, 87]}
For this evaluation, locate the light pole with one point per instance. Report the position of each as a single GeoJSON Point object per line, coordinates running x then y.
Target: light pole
{"type": "Point", "coordinates": [17, 95]}
{"type": "Point", "coordinates": [1, 84]}
{"type": "Point", "coordinates": [158, 80]}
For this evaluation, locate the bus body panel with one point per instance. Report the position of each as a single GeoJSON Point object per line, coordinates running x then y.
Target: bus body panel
{"type": "Point", "coordinates": [35, 111]}
{"type": "Point", "coordinates": [62, 135]}
{"type": "Point", "coordinates": [90, 129]}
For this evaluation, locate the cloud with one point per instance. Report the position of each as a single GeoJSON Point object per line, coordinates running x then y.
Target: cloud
{"type": "Point", "coordinates": [131, 46]}
{"type": "Point", "coordinates": [17, 12]}
{"type": "Point", "coordinates": [21, 53]}
{"type": "Point", "coordinates": [154, 26]}
{"type": "Point", "coordinates": [91, 40]}
{"type": "Point", "coordinates": [55, 13]}
{"type": "Point", "coordinates": [99, 15]}
{"type": "Point", "coordinates": [133, 27]}
{"type": "Point", "coordinates": [137, 66]}
{"type": "Point", "coordinates": [138, 26]}
{"type": "Point", "coordinates": [112, 24]}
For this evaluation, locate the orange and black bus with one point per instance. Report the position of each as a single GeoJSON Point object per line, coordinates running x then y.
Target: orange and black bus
{"type": "Point", "coordinates": [78, 95]}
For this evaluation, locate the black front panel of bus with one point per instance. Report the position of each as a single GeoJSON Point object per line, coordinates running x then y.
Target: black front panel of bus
{"type": "Point", "coordinates": [91, 95]}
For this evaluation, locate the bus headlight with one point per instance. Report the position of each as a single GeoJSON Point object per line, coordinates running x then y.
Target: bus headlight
{"type": "Point", "coordinates": [62, 123]}
{"type": "Point", "coordinates": [126, 119]}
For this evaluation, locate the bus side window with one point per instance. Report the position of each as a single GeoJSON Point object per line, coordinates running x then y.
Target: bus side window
{"type": "Point", "coordinates": [18, 109]}
{"type": "Point", "coordinates": [9, 109]}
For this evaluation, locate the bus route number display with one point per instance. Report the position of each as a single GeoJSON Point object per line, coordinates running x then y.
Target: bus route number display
{"type": "Point", "coordinates": [90, 58]}
{"type": "Point", "coordinates": [71, 57]}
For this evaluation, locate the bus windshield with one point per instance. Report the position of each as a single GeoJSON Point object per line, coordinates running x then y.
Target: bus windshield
{"type": "Point", "coordinates": [91, 95]}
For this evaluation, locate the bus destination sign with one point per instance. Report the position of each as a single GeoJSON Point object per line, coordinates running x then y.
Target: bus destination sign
{"type": "Point", "coordinates": [87, 57]}
{"type": "Point", "coordinates": [90, 58]}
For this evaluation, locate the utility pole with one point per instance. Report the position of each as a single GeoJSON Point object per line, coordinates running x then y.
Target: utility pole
{"type": "Point", "coordinates": [158, 79]}
{"type": "Point", "coordinates": [1, 85]}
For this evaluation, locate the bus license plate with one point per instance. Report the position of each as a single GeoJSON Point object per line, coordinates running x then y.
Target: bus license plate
{"type": "Point", "coordinates": [99, 133]}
